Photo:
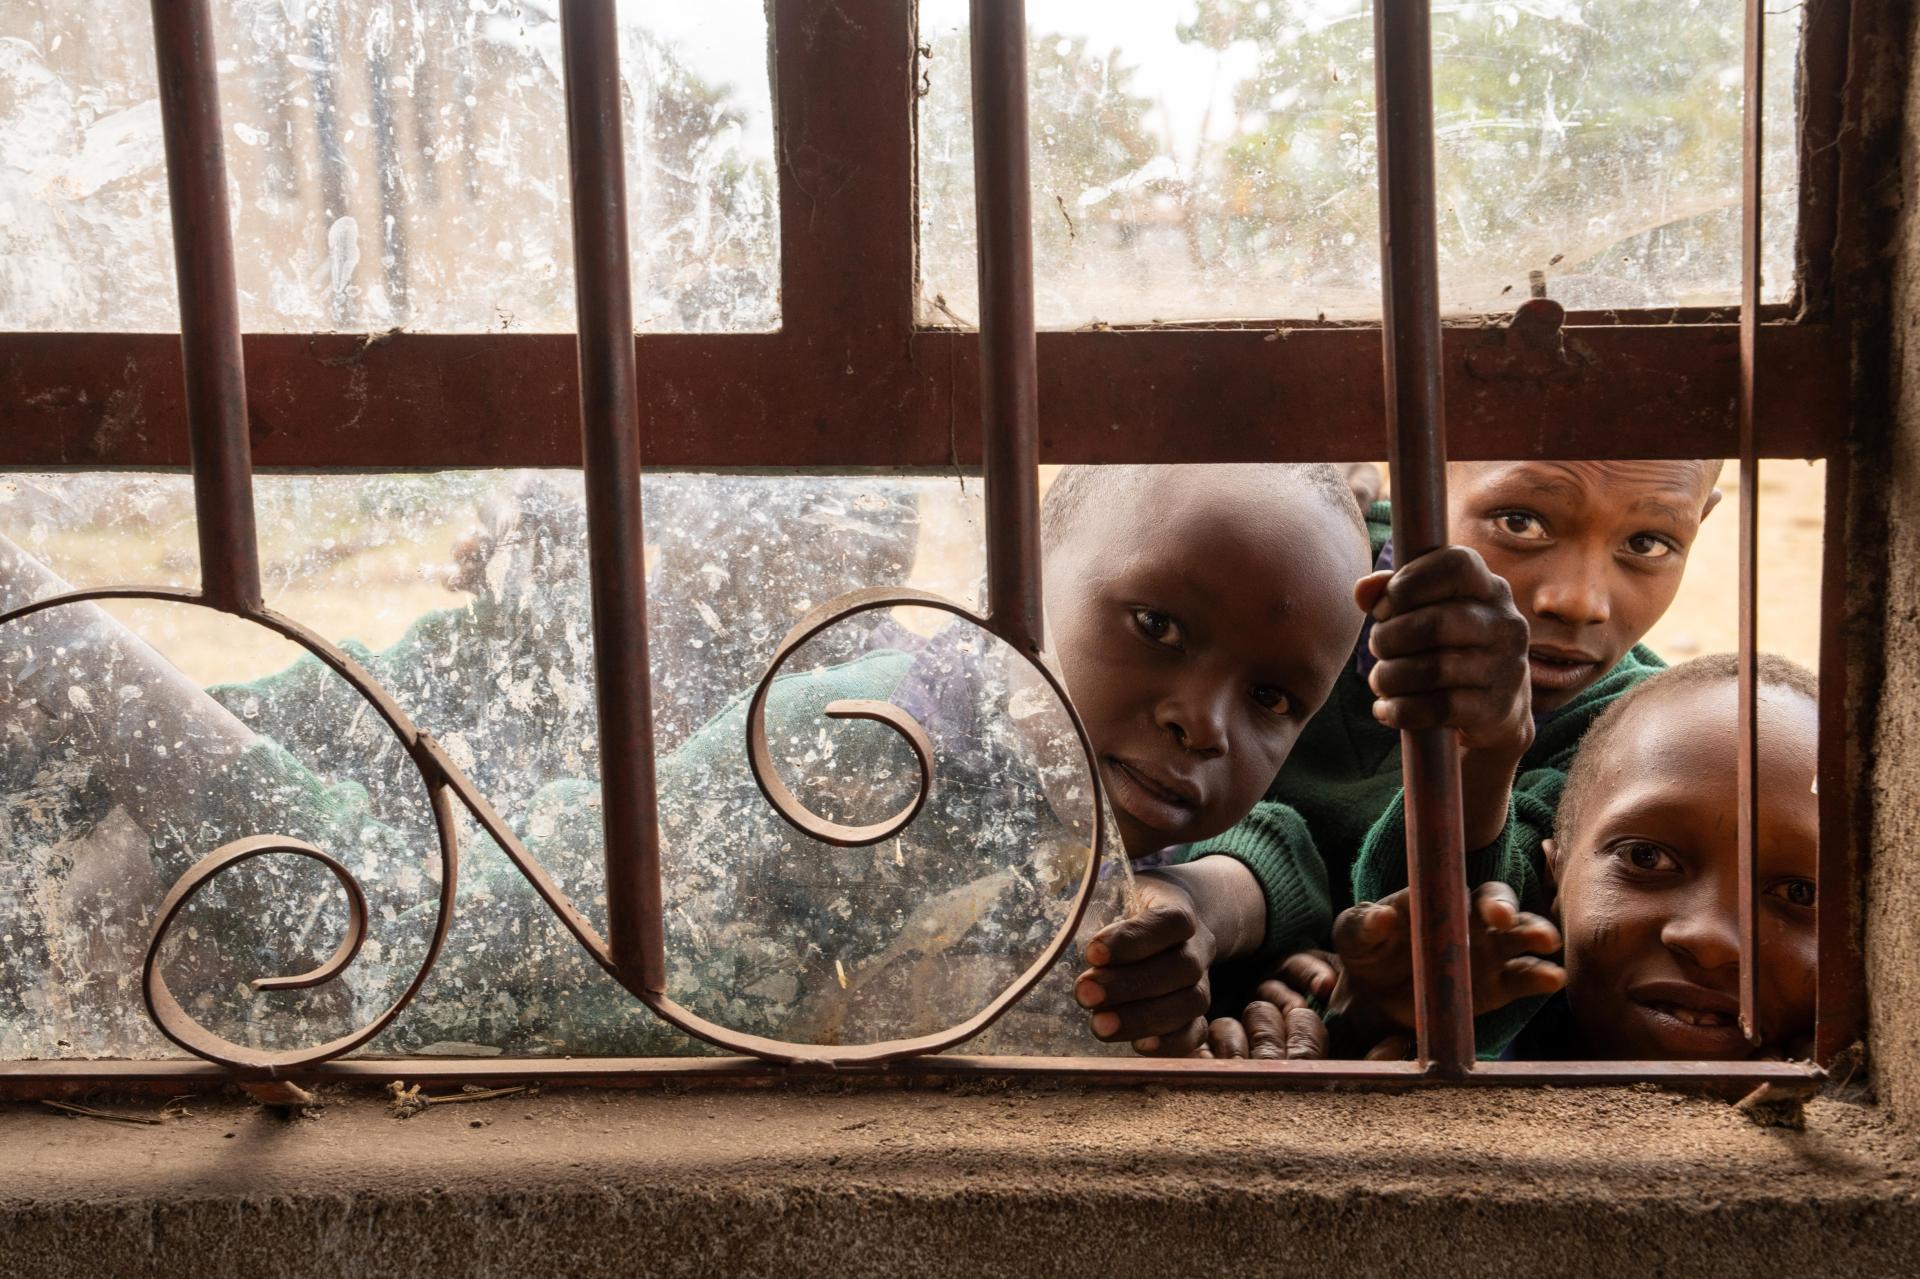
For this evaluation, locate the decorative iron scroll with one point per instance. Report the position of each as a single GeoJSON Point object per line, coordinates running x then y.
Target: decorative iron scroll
{"type": "Point", "coordinates": [445, 782]}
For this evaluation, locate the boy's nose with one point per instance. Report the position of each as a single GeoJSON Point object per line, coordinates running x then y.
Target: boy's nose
{"type": "Point", "coordinates": [1198, 723]}
{"type": "Point", "coordinates": [1706, 935]}
{"type": "Point", "coordinates": [1574, 592]}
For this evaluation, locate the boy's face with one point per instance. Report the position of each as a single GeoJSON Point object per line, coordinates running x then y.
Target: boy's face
{"type": "Point", "coordinates": [1649, 884]}
{"type": "Point", "coordinates": [1199, 620]}
{"type": "Point", "coordinates": [1593, 551]}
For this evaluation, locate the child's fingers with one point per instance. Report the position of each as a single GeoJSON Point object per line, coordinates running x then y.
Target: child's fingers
{"type": "Point", "coordinates": [1159, 926]}
{"type": "Point", "coordinates": [1450, 573]}
{"type": "Point", "coordinates": [1279, 994]}
{"type": "Point", "coordinates": [1530, 975]}
{"type": "Point", "coordinates": [1226, 1037]}
{"type": "Point", "coordinates": [1496, 905]}
{"type": "Point", "coordinates": [1529, 934]}
{"type": "Point", "coordinates": [1368, 590]}
{"type": "Point", "coordinates": [1455, 625]}
{"type": "Point", "coordinates": [1434, 670]}
{"type": "Point", "coordinates": [1147, 1018]}
{"type": "Point", "coordinates": [1461, 708]}
{"type": "Point", "coordinates": [1266, 1031]}
{"type": "Point", "coordinates": [1366, 929]}
{"type": "Point", "coordinates": [1162, 974]}
{"type": "Point", "coordinates": [1310, 972]}
{"type": "Point", "coordinates": [1306, 1035]}
{"type": "Point", "coordinates": [1181, 1043]}
{"type": "Point", "coordinates": [1276, 1034]}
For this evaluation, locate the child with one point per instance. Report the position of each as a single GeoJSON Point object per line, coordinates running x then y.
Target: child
{"type": "Point", "coordinates": [1517, 637]}
{"type": "Point", "coordinates": [1645, 869]}
{"type": "Point", "coordinates": [1646, 872]}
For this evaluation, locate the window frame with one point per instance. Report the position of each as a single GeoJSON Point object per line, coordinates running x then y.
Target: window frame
{"type": "Point", "coordinates": [849, 354]}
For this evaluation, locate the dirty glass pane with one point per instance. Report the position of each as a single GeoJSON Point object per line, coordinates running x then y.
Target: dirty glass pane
{"type": "Point", "coordinates": [392, 162]}
{"type": "Point", "coordinates": [464, 595]}
{"type": "Point", "coordinates": [1215, 159]}
{"type": "Point", "coordinates": [775, 933]}
{"type": "Point", "coordinates": [118, 773]}
{"type": "Point", "coordinates": [103, 529]}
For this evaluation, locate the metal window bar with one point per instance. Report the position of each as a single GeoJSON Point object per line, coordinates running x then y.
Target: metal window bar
{"type": "Point", "coordinates": [633, 953]}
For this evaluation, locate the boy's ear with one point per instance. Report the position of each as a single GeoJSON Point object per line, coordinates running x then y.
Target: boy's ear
{"type": "Point", "coordinates": [1713, 500]}
{"type": "Point", "coordinates": [1554, 857]}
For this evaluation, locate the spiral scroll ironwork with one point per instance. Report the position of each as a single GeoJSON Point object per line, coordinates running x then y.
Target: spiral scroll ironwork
{"type": "Point", "coordinates": [809, 823]}
{"type": "Point", "coordinates": [168, 1015]}
{"type": "Point", "coordinates": [445, 781]}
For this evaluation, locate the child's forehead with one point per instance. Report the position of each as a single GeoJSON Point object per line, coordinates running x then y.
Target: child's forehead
{"type": "Point", "coordinates": [1609, 483]}
{"type": "Point", "coordinates": [1678, 749]}
{"type": "Point", "coordinates": [1189, 517]}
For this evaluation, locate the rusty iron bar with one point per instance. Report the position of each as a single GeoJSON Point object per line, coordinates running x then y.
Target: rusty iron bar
{"type": "Point", "coordinates": [762, 400]}
{"type": "Point", "coordinates": [1747, 771]}
{"type": "Point", "coordinates": [65, 1077]}
{"type": "Point", "coordinates": [216, 381]}
{"type": "Point", "coordinates": [610, 449]}
{"type": "Point", "coordinates": [1417, 451]}
{"type": "Point", "coordinates": [1009, 377]}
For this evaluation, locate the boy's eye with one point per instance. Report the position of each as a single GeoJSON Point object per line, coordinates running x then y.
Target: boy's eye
{"type": "Point", "coordinates": [1524, 525]}
{"type": "Point", "coordinates": [1644, 856]}
{"type": "Point", "coordinates": [1650, 546]}
{"type": "Point", "coordinates": [1796, 892]}
{"type": "Point", "coordinates": [1158, 627]}
{"type": "Point", "coordinates": [1274, 699]}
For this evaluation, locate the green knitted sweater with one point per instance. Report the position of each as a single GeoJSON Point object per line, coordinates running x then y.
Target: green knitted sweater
{"type": "Point", "coordinates": [1332, 828]}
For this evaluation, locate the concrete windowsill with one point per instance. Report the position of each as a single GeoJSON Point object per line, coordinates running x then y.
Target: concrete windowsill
{"type": "Point", "coordinates": [970, 1181]}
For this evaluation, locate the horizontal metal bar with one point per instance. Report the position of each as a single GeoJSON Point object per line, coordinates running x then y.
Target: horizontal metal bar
{"type": "Point", "coordinates": [37, 1078]}
{"type": "Point", "coordinates": [771, 400]}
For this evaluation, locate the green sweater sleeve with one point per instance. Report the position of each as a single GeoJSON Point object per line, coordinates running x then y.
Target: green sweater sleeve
{"type": "Point", "coordinates": [1273, 842]}
{"type": "Point", "coordinates": [1512, 858]}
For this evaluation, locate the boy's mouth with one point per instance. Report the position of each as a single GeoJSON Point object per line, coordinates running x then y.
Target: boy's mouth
{"type": "Point", "coordinates": [1692, 1018]}
{"type": "Point", "coordinates": [1560, 668]}
{"type": "Point", "coordinates": [1152, 798]}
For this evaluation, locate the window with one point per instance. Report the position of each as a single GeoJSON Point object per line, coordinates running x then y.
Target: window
{"type": "Point", "coordinates": [1217, 161]}
{"type": "Point", "coordinates": [399, 166]}
{"type": "Point", "coordinates": [856, 346]}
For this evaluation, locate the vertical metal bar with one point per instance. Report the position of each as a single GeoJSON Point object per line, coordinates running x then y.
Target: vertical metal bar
{"type": "Point", "coordinates": [1009, 391]}
{"type": "Point", "coordinates": [1837, 1010]}
{"type": "Point", "coordinates": [1747, 773]}
{"type": "Point", "coordinates": [610, 432]}
{"type": "Point", "coordinates": [1417, 448]}
{"type": "Point", "coordinates": [209, 306]}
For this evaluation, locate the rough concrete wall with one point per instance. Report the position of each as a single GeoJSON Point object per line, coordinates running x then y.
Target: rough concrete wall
{"type": "Point", "coordinates": [1893, 884]}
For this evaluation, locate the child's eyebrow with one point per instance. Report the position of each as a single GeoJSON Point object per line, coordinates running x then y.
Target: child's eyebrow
{"type": "Point", "coordinates": [1676, 512]}
{"type": "Point", "coordinates": [1566, 489]}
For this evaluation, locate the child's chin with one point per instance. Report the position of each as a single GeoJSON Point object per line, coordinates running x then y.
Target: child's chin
{"type": "Point", "coordinates": [1553, 698]}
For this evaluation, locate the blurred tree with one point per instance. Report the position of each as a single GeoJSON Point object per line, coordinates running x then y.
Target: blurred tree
{"type": "Point", "coordinates": [1566, 133]}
